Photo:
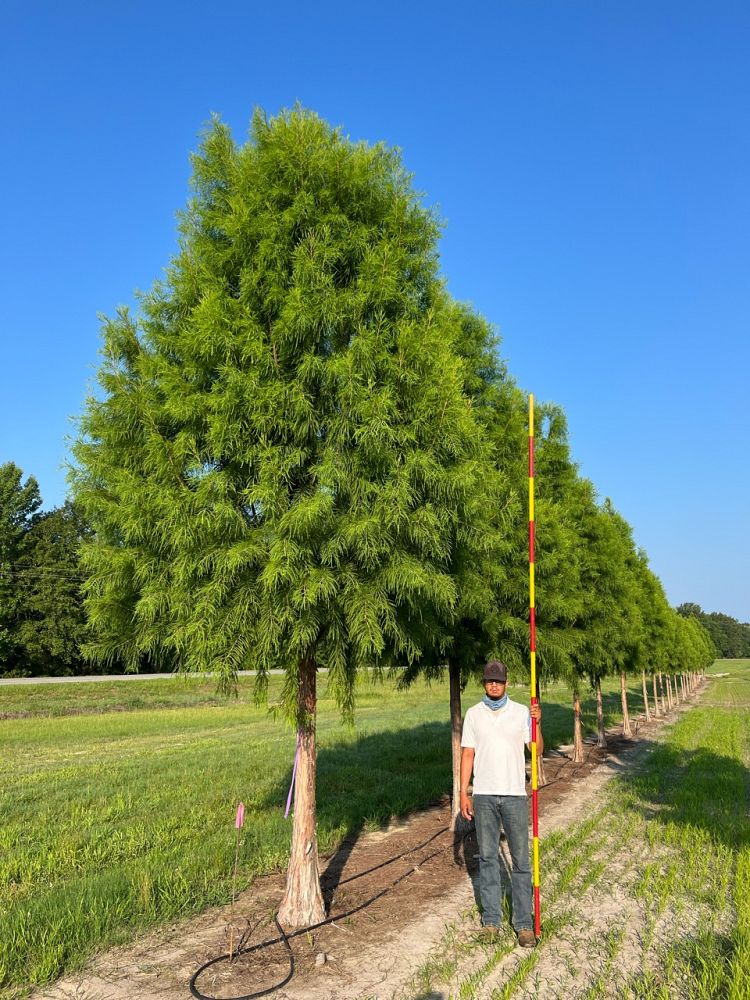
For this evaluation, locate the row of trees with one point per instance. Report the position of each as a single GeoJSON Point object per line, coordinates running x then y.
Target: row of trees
{"type": "Point", "coordinates": [305, 454]}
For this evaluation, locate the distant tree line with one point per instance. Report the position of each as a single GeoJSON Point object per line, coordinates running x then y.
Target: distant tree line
{"type": "Point", "coordinates": [43, 629]}
{"type": "Point", "coordinates": [42, 621]}
{"type": "Point", "coordinates": [731, 637]}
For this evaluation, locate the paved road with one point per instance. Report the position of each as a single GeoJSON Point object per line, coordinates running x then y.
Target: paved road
{"type": "Point", "coordinates": [109, 677]}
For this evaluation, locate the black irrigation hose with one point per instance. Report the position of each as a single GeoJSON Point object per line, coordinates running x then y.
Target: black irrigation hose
{"type": "Point", "coordinates": [246, 951]}
{"type": "Point", "coordinates": [397, 857]}
{"type": "Point", "coordinates": [283, 937]}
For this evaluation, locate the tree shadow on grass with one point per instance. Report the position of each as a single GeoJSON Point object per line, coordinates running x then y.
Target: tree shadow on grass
{"type": "Point", "coordinates": [695, 789]}
{"type": "Point", "coordinates": [366, 782]}
{"type": "Point", "coordinates": [689, 792]}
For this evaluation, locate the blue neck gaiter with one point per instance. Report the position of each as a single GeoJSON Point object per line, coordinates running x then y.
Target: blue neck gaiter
{"type": "Point", "coordinates": [494, 703]}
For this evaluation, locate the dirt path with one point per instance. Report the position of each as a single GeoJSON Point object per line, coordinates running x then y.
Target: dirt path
{"type": "Point", "coordinates": [387, 948]}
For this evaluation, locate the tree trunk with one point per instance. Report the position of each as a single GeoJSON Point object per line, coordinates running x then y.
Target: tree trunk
{"type": "Point", "coordinates": [302, 904]}
{"type": "Point", "coordinates": [577, 734]}
{"type": "Point", "coordinates": [601, 739]}
{"type": "Point", "coordinates": [645, 696]}
{"type": "Point", "coordinates": [626, 730]}
{"type": "Point", "coordinates": [454, 675]}
{"type": "Point", "coordinates": [683, 688]}
{"type": "Point", "coordinates": [670, 703]}
{"type": "Point", "coordinates": [657, 713]}
{"type": "Point", "coordinates": [661, 691]}
{"type": "Point", "coordinates": [541, 778]}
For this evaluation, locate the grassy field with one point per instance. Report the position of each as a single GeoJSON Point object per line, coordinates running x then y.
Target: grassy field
{"type": "Point", "coordinates": [118, 799]}
{"type": "Point", "coordinates": [649, 897]}
{"type": "Point", "coordinates": [53, 700]}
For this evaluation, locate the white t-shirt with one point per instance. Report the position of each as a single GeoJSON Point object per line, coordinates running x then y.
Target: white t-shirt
{"type": "Point", "coordinates": [497, 738]}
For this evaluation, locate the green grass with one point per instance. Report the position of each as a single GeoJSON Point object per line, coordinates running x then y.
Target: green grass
{"type": "Point", "coordinates": [700, 781]}
{"type": "Point", "coordinates": [118, 821]}
{"type": "Point", "coordinates": [53, 700]}
{"type": "Point", "coordinates": [118, 798]}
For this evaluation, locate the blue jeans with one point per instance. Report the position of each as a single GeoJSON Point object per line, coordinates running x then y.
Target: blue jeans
{"type": "Point", "coordinates": [513, 810]}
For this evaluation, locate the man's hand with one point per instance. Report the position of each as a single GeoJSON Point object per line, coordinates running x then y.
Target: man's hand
{"type": "Point", "coordinates": [467, 763]}
{"type": "Point", "coordinates": [536, 713]}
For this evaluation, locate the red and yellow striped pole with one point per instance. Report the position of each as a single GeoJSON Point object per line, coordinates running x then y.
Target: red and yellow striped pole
{"type": "Point", "coordinates": [534, 699]}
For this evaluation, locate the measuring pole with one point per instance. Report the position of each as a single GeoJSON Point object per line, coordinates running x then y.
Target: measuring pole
{"type": "Point", "coordinates": [534, 699]}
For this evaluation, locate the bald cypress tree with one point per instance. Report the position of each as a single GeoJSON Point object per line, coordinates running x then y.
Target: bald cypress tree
{"type": "Point", "coordinates": [281, 458]}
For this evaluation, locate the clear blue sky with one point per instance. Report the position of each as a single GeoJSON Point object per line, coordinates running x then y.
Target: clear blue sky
{"type": "Point", "coordinates": [591, 160]}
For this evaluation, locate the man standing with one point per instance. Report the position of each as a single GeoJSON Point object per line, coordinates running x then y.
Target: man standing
{"type": "Point", "coordinates": [493, 739]}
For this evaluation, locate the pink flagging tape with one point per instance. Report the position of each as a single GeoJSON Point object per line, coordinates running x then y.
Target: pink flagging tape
{"type": "Point", "coordinates": [291, 786]}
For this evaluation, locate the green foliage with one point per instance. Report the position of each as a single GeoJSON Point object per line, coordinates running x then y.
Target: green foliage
{"type": "Point", "coordinates": [304, 449]}
{"type": "Point", "coordinates": [41, 608]}
{"type": "Point", "coordinates": [282, 460]}
{"type": "Point", "coordinates": [51, 624]}
{"type": "Point", "coordinates": [484, 562]}
{"type": "Point", "coordinates": [731, 637]}
{"type": "Point", "coordinates": [656, 616]}
{"type": "Point", "coordinates": [19, 503]}
{"type": "Point", "coordinates": [492, 574]}
{"type": "Point", "coordinates": [560, 595]}
{"type": "Point", "coordinates": [601, 554]}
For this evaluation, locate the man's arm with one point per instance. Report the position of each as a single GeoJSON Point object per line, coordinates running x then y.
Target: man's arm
{"type": "Point", "coordinates": [467, 764]}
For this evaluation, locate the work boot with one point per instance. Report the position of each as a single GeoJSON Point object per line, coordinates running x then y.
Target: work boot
{"type": "Point", "coordinates": [526, 938]}
{"type": "Point", "coordinates": [487, 934]}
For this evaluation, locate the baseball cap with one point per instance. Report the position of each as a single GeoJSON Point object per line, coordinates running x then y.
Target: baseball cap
{"type": "Point", "coordinates": [495, 670]}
